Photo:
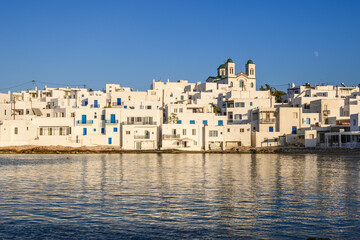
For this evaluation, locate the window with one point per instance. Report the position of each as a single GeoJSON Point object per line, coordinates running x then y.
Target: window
{"type": "Point", "coordinates": [5, 112]}
{"type": "Point", "coordinates": [103, 117]}
{"type": "Point", "coordinates": [127, 132]}
{"type": "Point", "coordinates": [252, 85]}
{"type": "Point", "coordinates": [193, 131]}
{"type": "Point", "coordinates": [295, 115]}
{"type": "Point", "coordinates": [175, 110]}
{"type": "Point", "coordinates": [192, 121]}
{"type": "Point", "coordinates": [148, 107]}
{"type": "Point", "coordinates": [230, 105]}
{"type": "Point", "coordinates": [48, 115]}
{"type": "Point", "coordinates": [138, 119]}
{"type": "Point", "coordinates": [50, 131]}
{"type": "Point", "coordinates": [213, 133]}
{"type": "Point", "coordinates": [241, 130]}
{"type": "Point", "coordinates": [293, 130]}
{"type": "Point", "coordinates": [237, 104]}
{"type": "Point", "coordinates": [16, 131]}
{"type": "Point", "coordinates": [41, 131]}
{"type": "Point", "coordinates": [184, 132]}
{"type": "Point", "coordinates": [242, 104]}
{"type": "Point", "coordinates": [251, 104]}
{"type": "Point", "coordinates": [84, 131]}
{"type": "Point", "coordinates": [95, 115]}
{"type": "Point", "coordinates": [115, 129]}
{"type": "Point", "coordinates": [228, 129]}
{"type": "Point", "coordinates": [178, 121]}
{"type": "Point", "coordinates": [238, 116]}
{"type": "Point", "coordinates": [60, 131]}
{"type": "Point", "coordinates": [354, 122]}
{"type": "Point", "coordinates": [110, 140]}
{"type": "Point", "coordinates": [72, 114]}
{"type": "Point", "coordinates": [308, 121]}
{"type": "Point", "coordinates": [205, 122]}
{"type": "Point", "coordinates": [220, 123]}
{"type": "Point", "coordinates": [102, 130]}
{"type": "Point", "coordinates": [271, 129]}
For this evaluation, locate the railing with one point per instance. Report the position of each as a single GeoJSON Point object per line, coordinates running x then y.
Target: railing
{"type": "Point", "coordinates": [111, 121]}
{"type": "Point", "coordinates": [140, 123]}
{"type": "Point", "coordinates": [80, 122]}
{"type": "Point", "coordinates": [267, 120]}
{"type": "Point", "coordinates": [142, 137]}
{"type": "Point", "coordinates": [116, 104]}
{"type": "Point", "coordinates": [171, 136]}
{"type": "Point", "coordinates": [95, 106]}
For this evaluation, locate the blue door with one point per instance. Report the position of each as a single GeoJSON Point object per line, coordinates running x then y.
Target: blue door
{"type": "Point", "coordinates": [112, 118]}
{"type": "Point", "coordinates": [83, 119]}
{"type": "Point", "coordinates": [271, 129]}
{"type": "Point", "coordinates": [84, 131]}
{"type": "Point", "coordinates": [119, 101]}
{"type": "Point", "coordinates": [109, 140]}
{"type": "Point", "coordinates": [95, 103]}
{"type": "Point", "coordinates": [220, 123]}
{"type": "Point", "coordinates": [293, 130]}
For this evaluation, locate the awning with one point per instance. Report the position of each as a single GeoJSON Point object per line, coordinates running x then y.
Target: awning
{"type": "Point", "coordinates": [37, 111]}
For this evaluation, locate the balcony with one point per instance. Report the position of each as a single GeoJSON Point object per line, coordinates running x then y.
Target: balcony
{"type": "Point", "coordinates": [142, 137]}
{"type": "Point", "coordinates": [115, 104]}
{"type": "Point", "coordinates": [171, 136]}
{"type": "Point", "coordinates": [267, 121]}
{"type": "Point", "coordinates": [141, 123]}
{"type": "Point", "coordinates": [87, 122]}
{"type": "Point", "coordinates": [111, 121]}
{"type": "Point", "coordinates": [95, 106]}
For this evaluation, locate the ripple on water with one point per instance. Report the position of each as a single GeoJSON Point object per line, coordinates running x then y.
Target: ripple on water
{"type": "Point", "coordinates": [186, 196]}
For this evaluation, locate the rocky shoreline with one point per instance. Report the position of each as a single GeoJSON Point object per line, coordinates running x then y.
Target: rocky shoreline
{"type": "Point", "coordinates": [114, 150]}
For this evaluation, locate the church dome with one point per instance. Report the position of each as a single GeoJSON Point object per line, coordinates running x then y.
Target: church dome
{"type": "Point", "coordinates": [250, 62]}
{"type": "Point", "coordinates": [229, 60]}
{"type": "Point", "coordinates": [221, 66]}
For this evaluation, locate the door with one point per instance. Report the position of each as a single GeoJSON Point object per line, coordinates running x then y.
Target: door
{"type": "Point", "coordinates": [118, 101]}
{"type": "Point", "coordinates": [110, 140]}
{"type": "Point", "coordinates": [293, 130]}
{"type": "Point", "coordinates": [95, 103]}
{"type": "Point", "coordinates": [138, 145]}
{"type": "Point", "coordinates": [112, 118]}
{"type": "Point", "coordinates": [83, 119]}
{"type": "Point", "coordinates": [84, 131]}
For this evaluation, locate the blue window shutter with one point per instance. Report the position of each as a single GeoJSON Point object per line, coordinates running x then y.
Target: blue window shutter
{"type": "Point", "coordinates": [84, 131]}
{"type": "Point", "coordinates": [102, 130]}
{"type": "Point", "coordinates": [83, 119]}
{"type": "Point", "coordinates": [271, 129]}
{"type": "Point", "coordinates": [178, 121]}
{"type": "Point", "coordinates": [220, 123]}
{"type": "Point", "coordinates": [192, 121]}
{"type": "Point", "coordinates": [109, 140]}
{"type": "Point", "coordinates": [205, 122]}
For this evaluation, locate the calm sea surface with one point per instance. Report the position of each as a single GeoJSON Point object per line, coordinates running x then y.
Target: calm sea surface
{"type": "Point", "coordinates": [179, 196]}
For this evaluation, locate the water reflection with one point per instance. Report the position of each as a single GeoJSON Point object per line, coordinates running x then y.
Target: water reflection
{"type": "Point", "coordinates": [180, 196]}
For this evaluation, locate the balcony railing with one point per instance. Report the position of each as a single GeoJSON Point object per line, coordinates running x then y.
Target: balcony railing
{"type": "Point", "coordinates": [111, 121]}
{"type": "Point", "coordinates": [141, 123]}
{"type": "Point", "coordinates": [142, 137]}
{"type": "Point", "coordinates": [171, 136]}
{"type": "Point", "coordinates": [80, 122]}
{"type": "Point", "coordinates": [95, 106]}
{"type": "Point", "coordinates": [116, 104]}
{"type": "Point", "coordinates": [267, 120]}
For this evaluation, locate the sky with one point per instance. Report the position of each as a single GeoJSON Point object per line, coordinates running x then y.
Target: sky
{"type": "Point", "coordinates": [72, 43]}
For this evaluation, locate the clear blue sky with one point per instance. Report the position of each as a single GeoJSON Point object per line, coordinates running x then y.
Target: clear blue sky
{"type": "Point", "coordinates": [132, 42]}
